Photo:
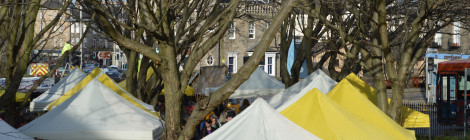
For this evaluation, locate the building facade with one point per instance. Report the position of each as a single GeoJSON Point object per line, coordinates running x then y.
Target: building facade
{"type": "Point", "coordinates": [244, 33]}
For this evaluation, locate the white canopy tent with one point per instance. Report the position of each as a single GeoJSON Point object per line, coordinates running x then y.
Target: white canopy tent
{"type": "Point", "coordinates": [9, 133]}
{"type": "Point", "coordinates": [68, 82]}
{"type": "Point", "coordinates": [95, 112]}
{"type": "Point", "coordinates": [317, 79]}
{"type": "Point", "coordinates": [260, 84]}
{"type": "Point", "coordinates": [260, 122]}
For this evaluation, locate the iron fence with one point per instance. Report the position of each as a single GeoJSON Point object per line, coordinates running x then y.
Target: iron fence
{"type": "Point", "coordinates": [436, 129]}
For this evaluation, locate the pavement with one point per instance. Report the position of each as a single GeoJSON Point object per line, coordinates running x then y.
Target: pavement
{"type": "Point", "coordinates": [411, 95]}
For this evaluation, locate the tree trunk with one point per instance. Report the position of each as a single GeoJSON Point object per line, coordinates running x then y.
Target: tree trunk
{"type": "Point", "coordinates": [173, 94]}
{"type": "Point", "coordinates": [131, 72]}
{"type": "Point", "coordinates": [286, 38]}
{"type": "Point", "coordinates": [204, 107]}
{"type": "Point", "coordinates": [144, 66]}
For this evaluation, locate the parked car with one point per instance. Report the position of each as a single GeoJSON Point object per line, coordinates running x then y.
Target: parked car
{"type": "Point", "coordinates": [113, 68]}
{"type": "Point", "coordinates": [116, 76]}
{"type": "Point", "coordinates": [104, 69]}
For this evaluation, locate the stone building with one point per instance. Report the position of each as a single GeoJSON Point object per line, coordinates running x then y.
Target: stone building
{"type": "Point", "coordinates": [243, 35]}
{"type": "Point", "coordinates": [53, 40]}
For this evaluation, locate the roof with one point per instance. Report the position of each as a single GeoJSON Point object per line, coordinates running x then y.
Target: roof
{"type": "Point", "coordinates": [317, 79]}
{"type": "Point", "coordinates": [260, 122]}
{"type": "Point", "coordinates": [109, 83]}
{"type": "Point", "coordinates": [352, 98]}
{"type": "Point", "coordinates": [258, 85]}
{"type": "Point", "coordinates": [270, 49]}
{"type": "Point", "coordinates": [411, 118]}
{"type": "Point", "coordinates": [65, 84]}
{"type": "Point", "coordinates": [95, 112]}
{"type": "Point", "coordinates": [53, 4]}
{"type": "Point", "coordinates": [326, 119]}
{"type": "Point", "coordinates": [453, 65]}
{"type": "Point", "coordinates": [9, 133]}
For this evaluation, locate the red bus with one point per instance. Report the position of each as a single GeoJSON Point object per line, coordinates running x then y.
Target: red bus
{"type": "Point", "coordinates": [450, 88]}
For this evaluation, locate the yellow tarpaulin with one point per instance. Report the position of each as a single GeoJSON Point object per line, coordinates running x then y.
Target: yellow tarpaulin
{"type": "Point", "coordinates": [412, 118]}
{"type": "Point", "coordinates": [19, 95]}
{"type": "Point", "coordinates": [103, 78]}
{"type": "Point", "coordinates": [350, 98]}
{"type": "Point", "coordinates": [326, 119]}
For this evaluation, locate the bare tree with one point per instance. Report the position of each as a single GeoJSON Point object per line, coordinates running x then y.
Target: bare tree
{"type": "Point", "coordinates": [17, 36]}
{"type": "Point", "coordinates": [391, 37]}
{"type": "Point", "coordinates": [182, 27]}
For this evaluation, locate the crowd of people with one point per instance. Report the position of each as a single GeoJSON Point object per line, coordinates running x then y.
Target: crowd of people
{"type": "Point", "coordinates": [219, 117]}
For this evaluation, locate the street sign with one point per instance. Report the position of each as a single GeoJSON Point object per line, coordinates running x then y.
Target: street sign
{"type": "Point", "coordinates": [104, 55]}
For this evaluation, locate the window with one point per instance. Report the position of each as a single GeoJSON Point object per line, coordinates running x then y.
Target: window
{"type": "Point", "coordinates": [232, 62]}
{"type": "Point", "coordinates": [210, 60]}
{"type": "Point", "coordinates": [231, 31]}
{"type": "Point", "coordinates": [456, 36]}
{"type": "Point", "coordinates": [55, 42]}
{"type": "Point", "coordinates": [61, 29]}
{"type": "Point", "coordinates": [84, 27]}
{"type": "Point", "coordinates": [267, 25]}
{"type": "Point", "coordinates": [72, 28]}
{"type": "Point", "coordinates": [270, 65]}
{"type": "Point", "coordinates": [77, 39]}
{"type": "Point", "coordinates": [270, 58]}
{"type": "Point", "coordinates": [438, 36]}
{"type": "Point", "coordinates": [55, 14]}
{"type": "Point", "coordinates": [84, 42]}
{"type": "Point", "coordinates": [77, 27]}
{"type": "Point", "coordinates": [297, 40]}
{"type": "Point", "coordinates": [94, 42]}
{"type": "Point", "coordinates": [267, 63]}
{"type": "Point", "coordinates": [251, 30]}
{"type": "Point", "coordinates": [72, 40]}
{"type": "Point", "coordinates": [438, 39]}
{"type": "Point", "coordinates": [41, 15]}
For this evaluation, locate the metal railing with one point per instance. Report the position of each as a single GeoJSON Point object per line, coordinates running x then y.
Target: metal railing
{"type": "Point", "coordinates": [437, 129]}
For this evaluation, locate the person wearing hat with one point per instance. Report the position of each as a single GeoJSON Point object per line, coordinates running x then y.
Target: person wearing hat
{"type": "Point", "coordinates": [228, 116]}
{"type": "Point", "coordinates": [207, 129]}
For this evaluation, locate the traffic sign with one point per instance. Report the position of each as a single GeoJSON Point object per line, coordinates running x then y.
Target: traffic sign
{"type": "Point", "coordinates": [104, 55]}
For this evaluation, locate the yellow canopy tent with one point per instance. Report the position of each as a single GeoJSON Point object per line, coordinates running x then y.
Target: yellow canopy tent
{"type": "Point", "coordinates": [351, 99]}
{"type": "Point", "coordinates": [19, 96]}
{"type": "Point", "coordinates": [108, 82]}
{"type": "Point", "coordinates": [411, 118]}
{"type": "Point", "coordinates": [326, 119]}
{"type": "Point", "coordinates": [188, 92]}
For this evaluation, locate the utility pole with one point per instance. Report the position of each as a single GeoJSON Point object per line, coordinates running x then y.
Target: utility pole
{"type": "Point", "coordinates": [81, 44]}
{"type": "Point", "coordinates": [467, 72]}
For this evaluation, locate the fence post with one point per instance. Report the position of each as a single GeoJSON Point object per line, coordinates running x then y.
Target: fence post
{"type": "Point", "coordinates": [430, 123]}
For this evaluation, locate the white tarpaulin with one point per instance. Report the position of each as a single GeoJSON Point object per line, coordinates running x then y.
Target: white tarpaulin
{"type": "Point", "coordinates": [108, 82]}
{"type": "Point", "coordinates": [317, 79]}
{"type": "Point", "coordinates": [260, 84]}
{"type": "Point", "coordinates": [95, 112]}
{"type": "Point", "coordinates": [9, 133]}
{"type": "Point", "coordinates": [28, 82]}
{"type": "Point", "coordinates": [68, 82]}
{"type": "Point", "coordinates": [260, 122]}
